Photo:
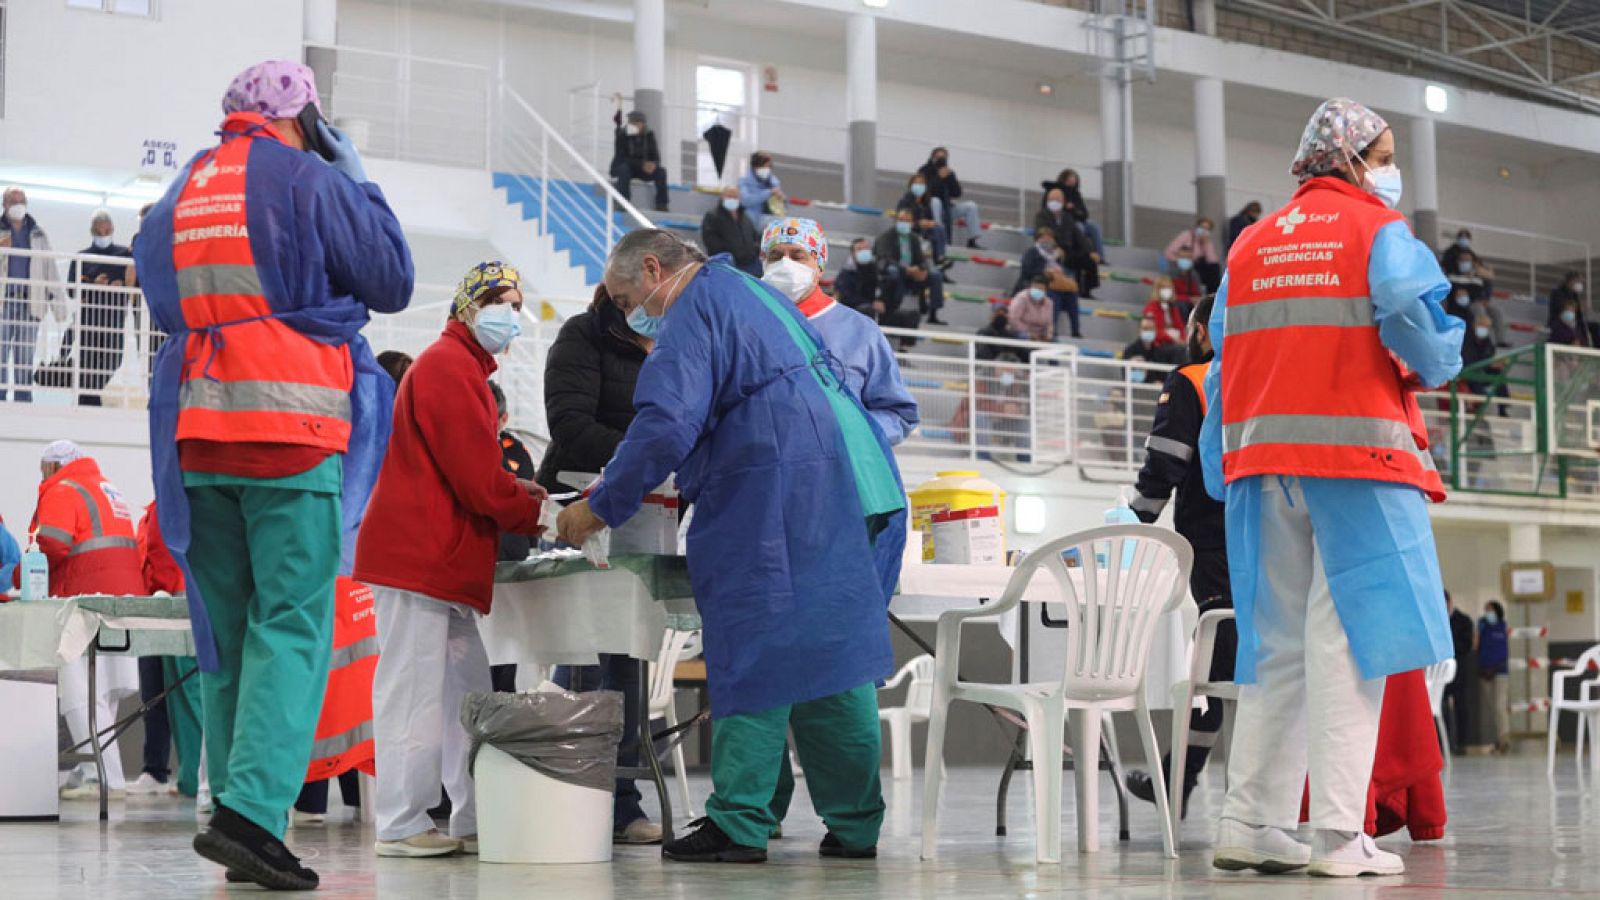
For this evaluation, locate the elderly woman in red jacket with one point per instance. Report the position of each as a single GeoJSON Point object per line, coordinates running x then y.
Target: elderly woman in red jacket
{"type": "Point", "coordinates": [427, 547]}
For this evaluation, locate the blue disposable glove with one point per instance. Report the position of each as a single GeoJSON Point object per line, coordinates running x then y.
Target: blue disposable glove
{"type": "Point", "coordinates": [345, 157]}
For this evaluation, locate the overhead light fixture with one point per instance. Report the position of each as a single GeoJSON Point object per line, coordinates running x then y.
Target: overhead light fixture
{"type": "Point", "coordinates": [1435, 98]}
{"type": "Point", "coordinates": [1046, 88]}
{"type": "Point", "coordinates": [1029, 514]}
{"type": "Point", "coordinates": [875, 4]}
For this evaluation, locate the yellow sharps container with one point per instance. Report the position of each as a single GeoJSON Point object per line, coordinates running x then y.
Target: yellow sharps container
{"type": "Point", "coordinates": [947, 491]}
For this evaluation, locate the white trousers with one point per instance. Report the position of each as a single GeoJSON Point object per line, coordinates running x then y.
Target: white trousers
{"type": "Point", "coordinates": [111, 685]}
{"type": "Point", "coordinates": [1309, 702]}
{"type": "Point", "coordinates": [429, 658]}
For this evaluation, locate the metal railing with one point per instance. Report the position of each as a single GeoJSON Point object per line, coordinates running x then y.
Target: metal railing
{"type": "Point", "coordinates": [412, 108]}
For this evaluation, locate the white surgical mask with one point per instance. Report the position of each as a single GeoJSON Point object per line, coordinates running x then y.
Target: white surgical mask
{"type": "Point", "coordinates": [1577, 287]}
{"type": "Point", "coordinates": [792, 279]}
{"type": "Point", "coordinates": [1482, 331]}
{"type": "Point", "coordinates": [1165, 294]}
{"type": "Point", "coordinates": [1385, 183]}
{"type": "Point", "coordinates": [1201, 231]}
{"type": "Point", "coordinates": [730, 203]}
{"type": "Point", "coordinates": [496, 327]}
{"type": "Point", "coordinates": [1055, 206]}
{"type": "Point", "coordinates": [1148, 337]}
{"type": "Point", "coordinates": [1462, 299]}
{"type": "Point", "coordinates": [17, 211]}
{"type": "Point", "coordinates": [764, 173]}
{"type": "Point", "coordinates": [101, 241]}
{"type": "Point", "coordinates": [1464, 266]}
{"type": "Point", "coordinates": [633, 130]}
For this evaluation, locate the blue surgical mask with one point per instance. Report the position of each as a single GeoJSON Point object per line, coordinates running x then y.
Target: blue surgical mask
{"type": "Point", "coordinates": [1491, 617]}
{"type": "Point", "coordinates": [1464, 266]}
{"type": "Point", "coordinates": [1481, 331]}
{"type": "Point", "coordinates": [1462, 298]}
{"type": "Point", "coordinates": [918, 189]}
{"type": "Point", "coordinates": [1385, 183]}
{"type": "Point", "coordinates": [1569, 317]}
{"type": "Point", "coordinates": [902, 227]}
{"type": "Point", "coordinates": [644, 324]}
{"type": "Point", "coordinates": [730, 203]}
{"type": "Point", "coordinates": [1148, 337]}
{"type": "Point", "coordinates": [864, 257]}
{"type": "Point", "coordinates": [1463, 242]}
{"type": "Point", "coordinates": [496, 327]}
{"type": "Point", "coordinates": [1036, 293]}
{"type": "Point", "coordinates": [1185, 264]}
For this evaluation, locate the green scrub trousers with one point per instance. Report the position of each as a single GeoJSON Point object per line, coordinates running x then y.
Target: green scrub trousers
{"type": "Point", "coordinates": [265, 553]}
{"type": "Point", "coordinates": [184, 710]}
{"type": "Point", "coordinates": [838, 741]}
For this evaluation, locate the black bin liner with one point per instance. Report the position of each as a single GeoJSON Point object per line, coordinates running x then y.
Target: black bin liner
{"type": "Point", "coordinates": [568, 736]}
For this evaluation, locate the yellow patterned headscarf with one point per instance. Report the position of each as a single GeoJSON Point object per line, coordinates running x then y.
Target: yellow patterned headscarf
{"type": "Point", "coordinates": [485, 277]}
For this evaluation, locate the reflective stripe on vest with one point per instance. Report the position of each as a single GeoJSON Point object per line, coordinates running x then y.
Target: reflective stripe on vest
{"type": "Point", "coordinates": [98, 539]}
{"type": "Point", "coordinates": [1324, 431]}
{"type": "Point", "coordinates": [335, 744]}
{"type": "Point", "coordinates": [344, 656]}
{"type": "Point", "coordinates": [60, 535]}
{"type": "Point", "coordinates": [96, 528]}
{"type": "Point", "coordinates": [1308, 312]}
{"type": "Point", "coordinates": [265, 396]}
{"type": "Point", "coordinates": [104, 543]}
{"type": "Point", "coordinates": [205, 280]}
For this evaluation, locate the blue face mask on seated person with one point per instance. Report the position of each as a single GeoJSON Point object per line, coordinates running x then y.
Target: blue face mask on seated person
{"type": "Point", "coordinates": [918, 189]}
{"type": "Point", "coordinates": [1036, 293]}
{"type": "Point", "coordinates": [902, 227]}
{"type": "Point", "coordinates": [644, 324]}
{"type": "Point", "coordinates": [1464, 266]}
{"type": "Point", "coordinates": [864, 257]}
{"type": "Point", "coordinates": [1185, 264]}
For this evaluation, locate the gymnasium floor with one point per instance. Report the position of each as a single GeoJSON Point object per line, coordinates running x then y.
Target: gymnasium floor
{"type": "Point", "coordinates": [1509, 836]}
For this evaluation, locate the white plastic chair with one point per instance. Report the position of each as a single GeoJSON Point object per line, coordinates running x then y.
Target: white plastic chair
{"type": "Point", "coordinates": [1115, 582]}
{"type": "Point", "coordinates": [1586, 706]}
{"type": "Point", "coordinates": [675, 646]}
{"type": "Point", "coordinates": [1439, 676]}
{"type": "Point", "coordinates": [1184, 693]}
{"type": "Point", "coordinates": [917, 708]}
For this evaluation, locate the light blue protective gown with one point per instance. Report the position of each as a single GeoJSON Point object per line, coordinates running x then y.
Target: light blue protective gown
{"type": "Point", "coordinates": [870, 369]}
{"type": "Point", "coordinates": [1375, 537]}
{"type": "Point", "coordinates": [799, 519]}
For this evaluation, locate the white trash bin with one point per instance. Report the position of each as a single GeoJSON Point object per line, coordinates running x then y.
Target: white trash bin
{"type": "Point", "coordinates": [525, 816]}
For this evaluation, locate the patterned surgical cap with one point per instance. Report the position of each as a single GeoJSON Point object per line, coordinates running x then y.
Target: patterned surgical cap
{"type": "Point", "coordinates": [485, 277]}
{"type": "Point", "coordinates": [805, 232]}
{"type": "Point", "coordinates": [62, 452]}
{"type": "Point", "coordinates": [1338, 131]}
{"type": "Point", "coordinates": [277, 89]}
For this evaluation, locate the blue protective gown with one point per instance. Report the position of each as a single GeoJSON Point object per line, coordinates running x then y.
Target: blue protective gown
{"type": "Point", "coordinates": [327, 250]}
{"type": "Point", "coordinates": [1375, 537]}
{"type": "Point", "coordinates": [785, 470]}
{"type": "Point", "coordinates": [870, 369]}
{"type": "Point", "coordinates": [10, 555]}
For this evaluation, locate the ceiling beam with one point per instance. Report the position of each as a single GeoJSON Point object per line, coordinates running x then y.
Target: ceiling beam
{"type": "Point", "coordinates": [1387, 10]}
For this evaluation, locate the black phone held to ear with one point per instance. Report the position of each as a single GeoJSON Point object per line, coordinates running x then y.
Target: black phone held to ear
{"type": "Point", "coordinates": [309, 117]}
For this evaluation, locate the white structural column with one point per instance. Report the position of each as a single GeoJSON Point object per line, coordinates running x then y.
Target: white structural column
{"type": "Point", "coordinates": [861, 109]}
{"type": "Point", "coordinates": [1116, 150]}
{"type": "Point", "coordinates": [322, 28]}
{"type": "Point", "coordinates": [1423, 182]}
{"type": "Point", "coordinates": [650, 66]}
{"type": "Point", "coordinates": [1210, 153]}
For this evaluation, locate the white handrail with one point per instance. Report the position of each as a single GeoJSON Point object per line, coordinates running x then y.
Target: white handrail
{"type": "Point", "coordinates": [388, 54]}
{"type": "Point", "coordinates": [551, 134]}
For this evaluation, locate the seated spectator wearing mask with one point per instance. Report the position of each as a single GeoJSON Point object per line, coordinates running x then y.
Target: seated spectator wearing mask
{"type": "Point", "coordinates": [903, 269]}
{"type": "Point", "coordinates": [1167, 313]}
{"type": "Point", "coordinates": [1031, 315]}
{"type": "Point", "coordinates": [1144, 346]}
{"type": "Point", "coordinates": [1194, 250]}
{"type": "Point", "coordinates": [948, 207]}
{"type": "Point", "coordinates": [1570, 289]}
{"type": "Point", "coordinates": [1462, 243]}
{"type": "Point", "coordinates": [1471, 278]}
{"type": "Point", "coordinates": [1067, 184]}
{"type": "Point", "coordinates": [1079, 254]}
{"type": "Point", "coordinates": [795, 253]}
{"type": "Point", "coordinates": [1570, 326]}
{"type": "Point", "coordinates": [857, 286]}
{"type": "Point", "coordinates": [760, 191]}
{"type": "Point", "coordinates": [1246, 217]}
{"type": "Point", "coordinates": [590, 374]}
{"type": "Point", "coordinates": [728, 228]}
{"type": "Point", "coordinates": [1477, 346]}
{"type": "Point", "coordinates": [634, 155]}
{"type": "Point", "coordinates": [917, 200]}
{"type": "Point", "coordinates": [1046, 258]}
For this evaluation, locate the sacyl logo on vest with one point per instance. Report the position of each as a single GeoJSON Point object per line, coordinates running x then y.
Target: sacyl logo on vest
{"type": "Point", "coordinates": [1294, 218]}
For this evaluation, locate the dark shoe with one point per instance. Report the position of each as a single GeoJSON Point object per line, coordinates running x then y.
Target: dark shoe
{"type": "Point", "coordinates": [944, 264]}
{"type": "Point", "coordinates": [933, 319]}
{"type": "Point", "coordinates": [708, 843]}
{"type": "Point", "coordinates": [234, 876]}
{"type": "Point", "coordinates": [1139, 783]}
{"type": "Point", "coordinates": [236, 843]}
{"type": "Point", "coordinates": [972, 243]}
{"type": "Point", "coordinates": [831, 847]}
{"type": "Point", "coordinates": [662, 207]}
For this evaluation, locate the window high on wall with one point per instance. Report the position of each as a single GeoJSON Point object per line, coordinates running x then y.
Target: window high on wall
{"type": "Point", "coordinates": [722, 94]}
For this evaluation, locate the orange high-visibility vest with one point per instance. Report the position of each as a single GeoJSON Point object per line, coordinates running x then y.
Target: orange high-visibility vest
{"type": "Point", "coordinates": [1307, 386]}
{"type": "Point", "coordinates": [86, 528]}
{"type": "Point", "coordinates": [344, 732]}
{"type": "Point", "coordinates": [247, 378]}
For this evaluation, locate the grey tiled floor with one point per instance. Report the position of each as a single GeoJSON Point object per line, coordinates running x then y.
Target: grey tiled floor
{"type": "Point", "coordinates": [1510, 835]}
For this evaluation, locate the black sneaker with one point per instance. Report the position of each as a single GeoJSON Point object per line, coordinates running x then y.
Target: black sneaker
{"type": "Point", "coordinates": [972, 244]}
{"type": "Point", "coordinates": [831, 847]}
{"type": "Point", "coordinates": [708, 843]}
{"type": "Point", "coordinates": [247, 849]}
{"type": "Point", "coordinates": [1141, 785]}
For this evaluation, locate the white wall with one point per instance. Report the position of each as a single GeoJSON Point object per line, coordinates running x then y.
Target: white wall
{"type": "Point", "coordinates": [1471, 556]}
{"type": "Point", "coordinates": [117, 439]}
{"type": "Point", "coordinates": [86, 89]}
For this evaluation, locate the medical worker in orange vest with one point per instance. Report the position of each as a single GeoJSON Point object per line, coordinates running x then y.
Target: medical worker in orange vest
{"type": "Point", "coordinates": [1329, 321]}
{"type": "Point", "coordinates": [268, 419]}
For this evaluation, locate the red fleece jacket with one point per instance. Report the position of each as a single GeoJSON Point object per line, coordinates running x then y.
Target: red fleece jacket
{"type": "Point", "coordinates": [442, 497]}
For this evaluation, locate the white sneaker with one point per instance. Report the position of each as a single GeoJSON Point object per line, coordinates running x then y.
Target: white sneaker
{"type": "Point", "coordinates": [428, 843]}
{"type": "Point", "coordinates": [1348, 854]}
{"type": "Point", "coordinates": [298, 818]}
{"type": "Point", "coordinates": [147, 785]}
{"type": "Point", "coordinates": [1260, 847]}
{"type": "Point", "coordinates": [205, 803]}
{"type": "Point", "coordinates": [90, 790]}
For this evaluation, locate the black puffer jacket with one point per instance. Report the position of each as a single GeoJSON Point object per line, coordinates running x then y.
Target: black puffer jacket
{"type": "Point", "coordinates": [589, 378]}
